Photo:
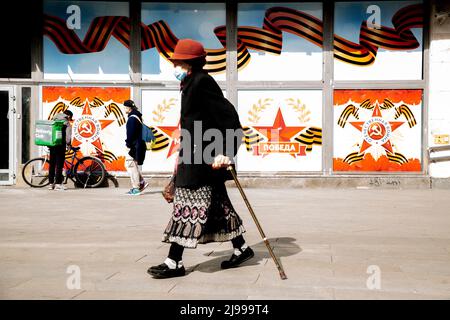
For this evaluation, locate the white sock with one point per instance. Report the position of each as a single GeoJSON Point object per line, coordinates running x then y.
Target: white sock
{"type": "Point", "coordinates": [172, 263]}
{"type": "Point", "coordinates": [237, 252]}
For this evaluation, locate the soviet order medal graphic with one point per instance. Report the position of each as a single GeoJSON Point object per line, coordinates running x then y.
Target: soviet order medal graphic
{"type": "Point", "coordinates": [383, 133]}
{"type": "Point", "coordinates": [376, 131]}
{"type": "Point", "coordinates": [87, 129]}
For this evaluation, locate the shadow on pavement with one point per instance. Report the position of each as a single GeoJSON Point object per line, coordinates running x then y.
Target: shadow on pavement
{"type": "Point", "coordinates": [113, 179]}
{"type": "Point", "coordinates": [105, 184]}
{"type": "Point", "coordinates": [145, 192]}
{"type": "Point", "coordinates": [282, 247]}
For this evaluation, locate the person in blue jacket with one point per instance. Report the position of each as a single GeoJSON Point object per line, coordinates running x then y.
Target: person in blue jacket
{"type": "Point", "coordinates": [137, 148]}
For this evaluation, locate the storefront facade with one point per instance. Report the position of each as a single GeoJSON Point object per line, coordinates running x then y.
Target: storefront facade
{"type": "Point", "coordinates": [350, 87]}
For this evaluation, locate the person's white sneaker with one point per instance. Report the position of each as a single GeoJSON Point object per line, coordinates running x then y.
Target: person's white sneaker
{"type": "Point", "coordinates": [51, 187]}
{"type": "Point", "coordinates": [60, 187]}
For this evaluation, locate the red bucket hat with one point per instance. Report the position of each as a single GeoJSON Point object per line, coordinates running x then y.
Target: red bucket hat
{"type": "Point", "coordinates": [187, 49]}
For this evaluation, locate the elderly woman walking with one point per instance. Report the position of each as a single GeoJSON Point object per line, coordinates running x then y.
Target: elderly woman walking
{"type": "Point", "coordinates": [202, 211]}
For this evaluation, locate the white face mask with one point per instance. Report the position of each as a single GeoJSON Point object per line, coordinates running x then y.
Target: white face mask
{"type": "Point", "coordinates": [180, 73]}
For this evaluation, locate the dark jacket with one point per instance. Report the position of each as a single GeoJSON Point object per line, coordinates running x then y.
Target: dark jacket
{"type": "Point", "coordinates": [203, 100]}
{"type": "Point", "coordinates": [134, 137]}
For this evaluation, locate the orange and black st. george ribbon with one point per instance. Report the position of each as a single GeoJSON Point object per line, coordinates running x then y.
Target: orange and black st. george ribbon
{"type": "Point", "coordinates": [268, 39]}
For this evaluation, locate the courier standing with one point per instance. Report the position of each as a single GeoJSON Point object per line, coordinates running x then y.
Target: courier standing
{"type": "Point", "coordinates": [58, 152]}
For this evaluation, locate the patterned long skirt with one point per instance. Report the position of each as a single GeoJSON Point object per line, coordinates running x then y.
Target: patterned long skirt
{"type": "Point", "coordinates": [202, 215]}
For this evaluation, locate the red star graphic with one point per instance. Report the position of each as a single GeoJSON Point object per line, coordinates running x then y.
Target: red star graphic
{"type": "Point", "coordinates": [376, 113]}
{"type": "Point", "coordinates": [97, 143]}
{"type": "Point", "coordinates": [279, 132]}
{"type": "Point", "coordinates": [174, 134]}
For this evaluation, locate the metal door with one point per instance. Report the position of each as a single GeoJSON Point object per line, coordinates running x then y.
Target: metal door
{"type": "Point", "coordinates": [7, 135]}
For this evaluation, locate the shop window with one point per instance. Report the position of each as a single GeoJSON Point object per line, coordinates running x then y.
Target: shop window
{"type": "Point", "coordinates": [283, 130]}
{"type": "Point", "coordinates": [165, 23]}
{"type": "Point", "coordinates": [280, 41]}
{"type": "Point", "coordinates": [377, 130]}
{"type": "Point", "coordinates": [99, 120]}
{"type": "Point", "coordinates": [377, 40]}
{"type": "Point", "coordinates": [161, 112]}
{"type": "Point", "coordinates": [86, 40]}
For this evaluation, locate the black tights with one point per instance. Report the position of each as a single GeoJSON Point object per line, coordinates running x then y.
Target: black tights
{"type": "Point", "coordinates": [57, 155]}
{"type": "Point", "coordinates": [176, 251]}
{"type": "Point", "coordinates": [238, 242]}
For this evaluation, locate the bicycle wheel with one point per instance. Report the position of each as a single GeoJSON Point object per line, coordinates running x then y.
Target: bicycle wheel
{"type": "Point", "coordinates": [89, 172]}
{"type": "Point", "coordinates": [35, 172]}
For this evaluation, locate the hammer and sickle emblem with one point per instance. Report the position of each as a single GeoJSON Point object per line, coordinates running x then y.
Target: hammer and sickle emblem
{"type": "Point", "coordinates": [86, 128]}
{"type": "Point", "coordinates": [375, 131]}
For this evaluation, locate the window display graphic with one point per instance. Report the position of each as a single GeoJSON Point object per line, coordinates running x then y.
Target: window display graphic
{"type": "Point", "coordinates": [384, 37]}
{"type": "Point", "coordinates": [98, 120]}
{"type": "Point", "coordinates": [103, 53]}
{"type": "Point", "coordinates": [398, 38]}
{"type": "Point", "coordinates": [186, 20]}
{"type": "Point", "coordinates": [377, 130]}
{"type": "Point", "coordinates": [268, 39]}
{"type": "Point", "coordinates": [282, 130]}
{"type": "Point", "coordinates": [161, 112]}
{"type": "Point", "coordinates": [290, 40]}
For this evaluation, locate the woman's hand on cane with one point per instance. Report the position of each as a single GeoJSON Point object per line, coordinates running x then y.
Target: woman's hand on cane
{"type": "Point", "coordinates": [221, 161]}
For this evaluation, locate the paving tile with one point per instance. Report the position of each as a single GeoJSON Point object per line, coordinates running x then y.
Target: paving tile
{"type": "Point", "coordinates": [325, 248]}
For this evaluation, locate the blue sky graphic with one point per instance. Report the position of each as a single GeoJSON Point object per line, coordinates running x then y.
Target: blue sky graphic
{"type": "Point", "coordinates": [186, 20]}
{"type": "Point", "coordinates": [114, 59]}
{"type": "Point", "coordinates": [252, 14]}
{"type": "Point", "coordinates": [348, 17]}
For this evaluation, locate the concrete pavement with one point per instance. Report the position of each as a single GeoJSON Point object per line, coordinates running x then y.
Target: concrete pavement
{"type": "Point", "coordinates": [369, 243]}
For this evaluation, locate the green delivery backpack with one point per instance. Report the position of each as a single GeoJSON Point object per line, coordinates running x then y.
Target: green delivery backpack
{"type": "Point", "coordinates": [48, 133]}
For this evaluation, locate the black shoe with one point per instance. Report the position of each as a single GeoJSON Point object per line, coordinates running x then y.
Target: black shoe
{"type": "Point", "coordinates": [237, 260]}
{"type": "Point", "coordinates": [157, 268]}
{"type": "Point", "coordinates": [163, 271]}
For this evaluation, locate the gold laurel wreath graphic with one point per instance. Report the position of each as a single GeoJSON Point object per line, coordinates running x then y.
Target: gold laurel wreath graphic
{"type": "Point", "coordinates": [300, 108]}
{"type": "Point", "coordinates": [162, 108]}
{"type": "Point", "coordinates": [257, 108]}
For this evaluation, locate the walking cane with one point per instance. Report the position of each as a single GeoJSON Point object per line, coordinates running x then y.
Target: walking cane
{"type": "Point", "coordinates": [266, 241]}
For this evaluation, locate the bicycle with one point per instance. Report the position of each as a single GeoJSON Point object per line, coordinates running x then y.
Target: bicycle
{"type": "Point", "coordinates": [88, 171]}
